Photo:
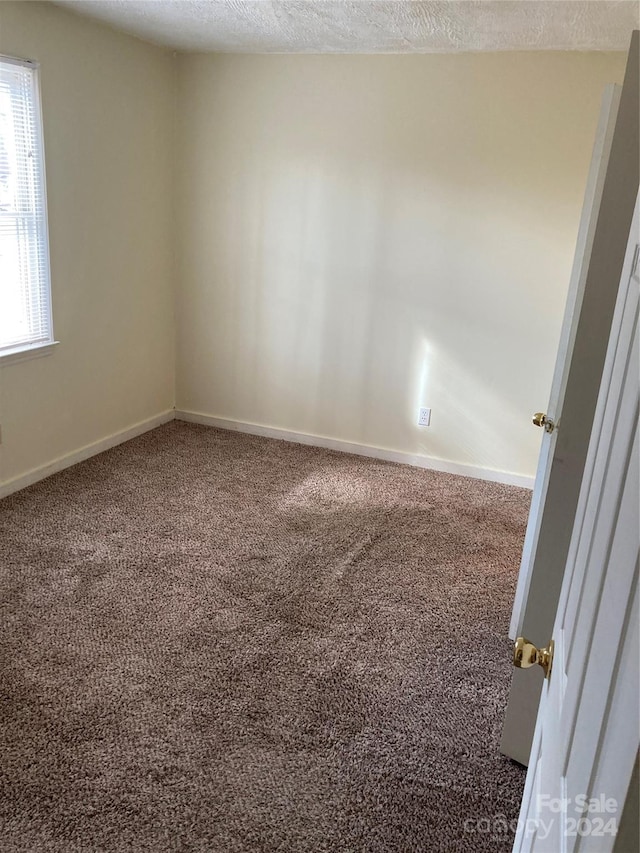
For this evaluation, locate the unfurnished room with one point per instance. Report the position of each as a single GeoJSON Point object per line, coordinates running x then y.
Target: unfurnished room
{"type": "Point", "coordinates": [319, 389]}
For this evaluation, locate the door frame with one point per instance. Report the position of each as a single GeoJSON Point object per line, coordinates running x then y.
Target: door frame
{"type": "Point", "coordinates": [536, 614]}
{"type": "Point", "coordinates": [601, 533]}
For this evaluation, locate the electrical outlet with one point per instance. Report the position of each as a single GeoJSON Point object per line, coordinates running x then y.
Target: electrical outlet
{"type": "Point", "coordinates": [424, 416]}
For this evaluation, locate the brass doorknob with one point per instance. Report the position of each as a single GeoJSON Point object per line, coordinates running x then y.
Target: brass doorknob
{"type": "Point", "coordinates": [541, 420]}
{"type": "Point", "coordinates": [525, 654]}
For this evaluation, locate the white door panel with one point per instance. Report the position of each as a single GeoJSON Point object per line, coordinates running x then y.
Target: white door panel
{"type": "Point", "coordinates": [570, 329]}
{"type": "Point", "coordinates": [586, 738]}
{"type": "Point", "coordinates": [600, 252]}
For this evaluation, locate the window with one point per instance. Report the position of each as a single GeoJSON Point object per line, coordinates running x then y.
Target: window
{"type": "Point", "coordinates": [25, 292]}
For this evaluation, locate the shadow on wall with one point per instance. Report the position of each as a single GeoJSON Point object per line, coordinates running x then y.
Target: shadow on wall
{"type": "Point", "coordinates": [343, 306]}
{"type": "Point", "coordinates": [356, 259]}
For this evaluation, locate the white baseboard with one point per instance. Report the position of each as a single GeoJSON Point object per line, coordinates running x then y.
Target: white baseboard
{"type": "Point", "coordinates": [416, 460]}
{"type": "Point", "coordinates": [85, 452]}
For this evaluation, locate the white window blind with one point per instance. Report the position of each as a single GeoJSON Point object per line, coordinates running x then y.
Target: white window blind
{"type": "Point", "coordinates": [25, 293]}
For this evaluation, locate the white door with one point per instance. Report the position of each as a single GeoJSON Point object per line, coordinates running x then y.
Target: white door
{"type": "Point", "coordinates": [606, 217]}
{"type": "Point", "coordinates": [570, 330]}
{"type": "Point", "coordinates": [587, 736]}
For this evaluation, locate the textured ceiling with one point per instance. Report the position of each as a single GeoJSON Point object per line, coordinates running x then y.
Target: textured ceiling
{"type": "Point", "coordinates": [370, 26]}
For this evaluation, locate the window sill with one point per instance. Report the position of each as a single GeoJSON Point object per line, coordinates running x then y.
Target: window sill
{"type": "Point", "coordinates": [25, 353]}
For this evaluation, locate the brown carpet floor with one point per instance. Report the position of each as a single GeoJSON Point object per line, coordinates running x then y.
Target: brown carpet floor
{"type": "Point", "coordinates": [215, 642]}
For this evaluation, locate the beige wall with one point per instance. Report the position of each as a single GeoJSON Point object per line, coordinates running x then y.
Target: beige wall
{"type": "Point", "coordinates": [362, 235]}
{"type": "Point", "coordinates": [108, 120]}
{"type": "Point", "coordinates": [354, 237]}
